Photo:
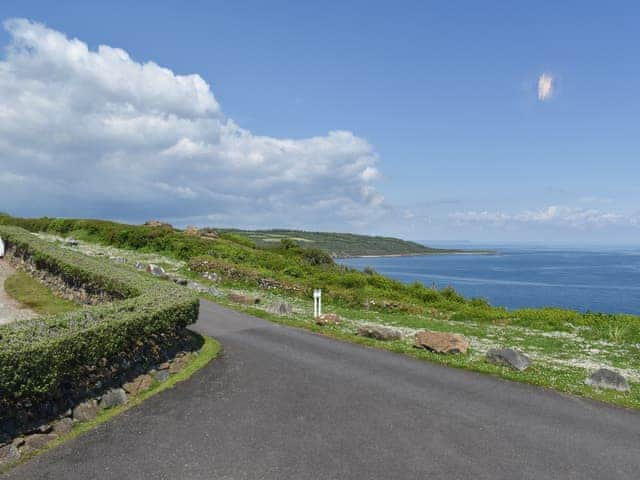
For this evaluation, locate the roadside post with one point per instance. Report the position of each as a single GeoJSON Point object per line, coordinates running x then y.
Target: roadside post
{"type": "Point", "coordinates": [317, 303]}
{"type": "Point", "coordinates": [1, 248]}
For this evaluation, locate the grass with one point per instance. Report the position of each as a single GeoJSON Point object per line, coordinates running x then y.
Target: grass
{"type": "Point", "coordinates": [35, 295]}
{"type": "Point", "coordinates": [565, 345]}
{"type": "Point", "coordinates": [209, 351]}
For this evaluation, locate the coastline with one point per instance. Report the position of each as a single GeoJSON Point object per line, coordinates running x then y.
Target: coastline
{"type": "Point", "coordinates": [422, 254]}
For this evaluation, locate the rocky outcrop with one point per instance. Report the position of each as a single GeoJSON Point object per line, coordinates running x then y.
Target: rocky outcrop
{"type": "Point", "coordinates": [379, 332]}
{"type": "Point", "coordinates": [441, 342]}
{"type": "Point", "coordinates": [608, 379]}
{"type": "Point", "coordinates": [509, 358]}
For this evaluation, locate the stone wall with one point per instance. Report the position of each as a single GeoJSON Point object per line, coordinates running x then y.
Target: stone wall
{"type": "Point", "coordinates": [62, 287]}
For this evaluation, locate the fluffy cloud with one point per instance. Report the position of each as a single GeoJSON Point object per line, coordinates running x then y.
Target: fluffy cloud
{"type": "Point", "coordinates": [553, 215]}
{"type": "Point", "coordinates": [545, 87]}
{"type": "Point", "coordinates": [86, 132]}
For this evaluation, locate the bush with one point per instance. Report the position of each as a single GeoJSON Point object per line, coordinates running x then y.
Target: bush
{"type": "Point", "coordinates": [40, 356]}
{"type": "Point", "coordinates": [239, 239]}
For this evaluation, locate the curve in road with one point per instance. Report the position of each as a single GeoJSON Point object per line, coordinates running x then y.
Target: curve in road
{"type": "Point", "coordinates": [284, 403]}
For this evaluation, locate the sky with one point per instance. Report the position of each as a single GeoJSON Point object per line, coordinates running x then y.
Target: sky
{"type": "Point", "coordinates": [435, 121]}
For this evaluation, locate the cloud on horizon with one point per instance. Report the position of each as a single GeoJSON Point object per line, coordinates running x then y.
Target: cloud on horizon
{"type": "Point", "coordinates": [558, 216]}
{"type": "Point", "coordinates": [95, 133]}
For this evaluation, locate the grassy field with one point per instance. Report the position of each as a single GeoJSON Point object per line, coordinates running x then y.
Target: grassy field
{"type": "Point", "coordinates": [35, 295]}
{"type": "Point", "coordinates": [565, 345]}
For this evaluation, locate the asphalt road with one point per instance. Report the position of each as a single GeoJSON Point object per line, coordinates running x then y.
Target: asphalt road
{"type": "Point", "coordinates": [282, 403]}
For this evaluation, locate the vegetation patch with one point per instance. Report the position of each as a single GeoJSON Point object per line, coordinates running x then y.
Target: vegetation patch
{"type": "Point", "coordinates": [35, 295]}
{"type": "Point", "coordinates": [47, 363]}
{"type": "Point", "coordinates": [209, 351]}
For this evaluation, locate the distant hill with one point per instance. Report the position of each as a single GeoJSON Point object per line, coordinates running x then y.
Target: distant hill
{"type": "Point", "coordinates": [341, 245]}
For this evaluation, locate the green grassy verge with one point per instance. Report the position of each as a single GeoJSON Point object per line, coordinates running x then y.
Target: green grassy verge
{"type": "Point", "coordinates": [35, 295]}
{"type": "Point", "coordinates": [209, 351]}
{"type": "Point", "coordinates": [547, 371]}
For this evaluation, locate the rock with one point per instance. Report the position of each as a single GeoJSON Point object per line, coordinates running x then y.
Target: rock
{"type": "Point", "coordinates": [209, 234]}
{"type": "Point", "coordinates": [71, 242]}
{"type": "Point", "coordinates": [179, 363]}
{"type": "Point", "coordinates": [198, 287]}
{"type": "Point", "coordinates": [441, 342]}
{"type": "Point", "coordinates": [281, 308]}
{"type": "Point", "coordinates": [215, 292]}
{"type": "Point", "coordinates": [177, 279]}
{"type": "Point", "coordinates": [113, 398]}
{"type": "Point", "coordinates": [605, 378]}
{"type": "Point", "coordinates": [328, 319]}
{"type": "Point", "coordinates": [156, 271]}
{"type": "Point", "coordinates": [39, 440]}
{"type": "Point", "coordinates": [191, 230]}
{"type": "Point", "coordinates": [62, 426]}
{"type": "Point", "coordinates": [121, 260]}
{"type": "Point", "coordinates": [9, 453]}
{"type": "Point", "coordinates": [138, 385]}
{"type": "Point", "coordinates": [379, 332]}
{"type": "Point", "coordinates": [86, 411]}
{"type": "Point", "coordinates": [212, 276]}
{"type": "Point", "coordinates": [509, 358]}
{"type": "Point", "coordinates": [244, 299]}
{"type": "Point", "coordinates": [160, 375]}
{"type": "Point", "coordinates": [140, 266]}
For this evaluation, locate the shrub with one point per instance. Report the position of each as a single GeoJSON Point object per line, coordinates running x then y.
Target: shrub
{"type": "Point", "coordinates": [40, 356]}
{"type": "Point", "coordinates": [239, 239]}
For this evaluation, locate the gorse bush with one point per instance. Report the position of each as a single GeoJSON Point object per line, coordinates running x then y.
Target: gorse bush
{"type": "Point", "coordinates": [39, 356]}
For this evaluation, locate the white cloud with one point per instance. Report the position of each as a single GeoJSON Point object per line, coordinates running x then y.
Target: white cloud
{"type": "Point", "coordinates": [560, 216]}
{"type": "Point", "coordinates": [545, 87]}
{"type": "Point", "coordinates": [98, 133]}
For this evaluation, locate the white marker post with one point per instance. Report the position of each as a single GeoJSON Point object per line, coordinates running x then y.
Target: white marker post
{"type": "Point", "coordinates": [1, 248]}
{"type": "Point", "coordinates": [317, 303]}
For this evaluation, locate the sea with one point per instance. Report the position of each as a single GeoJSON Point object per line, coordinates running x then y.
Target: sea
{"type": "Point", "coordinates": [586, 279]}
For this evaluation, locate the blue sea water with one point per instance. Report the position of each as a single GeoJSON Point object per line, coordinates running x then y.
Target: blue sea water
{"type": "Point", "coordinates": [597, 280]}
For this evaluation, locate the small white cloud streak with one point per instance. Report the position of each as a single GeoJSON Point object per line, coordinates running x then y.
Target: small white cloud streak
{"type": "Point", "coordinates": [545, 87]}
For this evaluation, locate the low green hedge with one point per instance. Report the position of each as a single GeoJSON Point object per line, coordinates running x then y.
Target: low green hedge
{"type": "Point", "coordinates": [41, 355]}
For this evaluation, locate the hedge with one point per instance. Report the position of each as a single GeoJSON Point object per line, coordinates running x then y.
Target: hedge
{"type": "Point", "coordinates": [41, 355]}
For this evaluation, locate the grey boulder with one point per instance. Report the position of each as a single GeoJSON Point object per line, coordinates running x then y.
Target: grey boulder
{"type": "Point", "coordinates": [509, 358]}
{"type": "Point", "coordinates": [156, 271]}
{"type": "Point", "coordinates": [86, 411]}
{"type": "Point", "coordinates": [113, 398]}
{"type": "Point", "coordinates": [605, 378]}
{"type": "Point", "coordinates": [9, 453]}
{"type": "Point", "coordinates": [379, 332]}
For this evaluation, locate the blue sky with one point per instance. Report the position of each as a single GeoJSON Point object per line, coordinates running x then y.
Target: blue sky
{"type": "Point", "coordinates": [440, 98]}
